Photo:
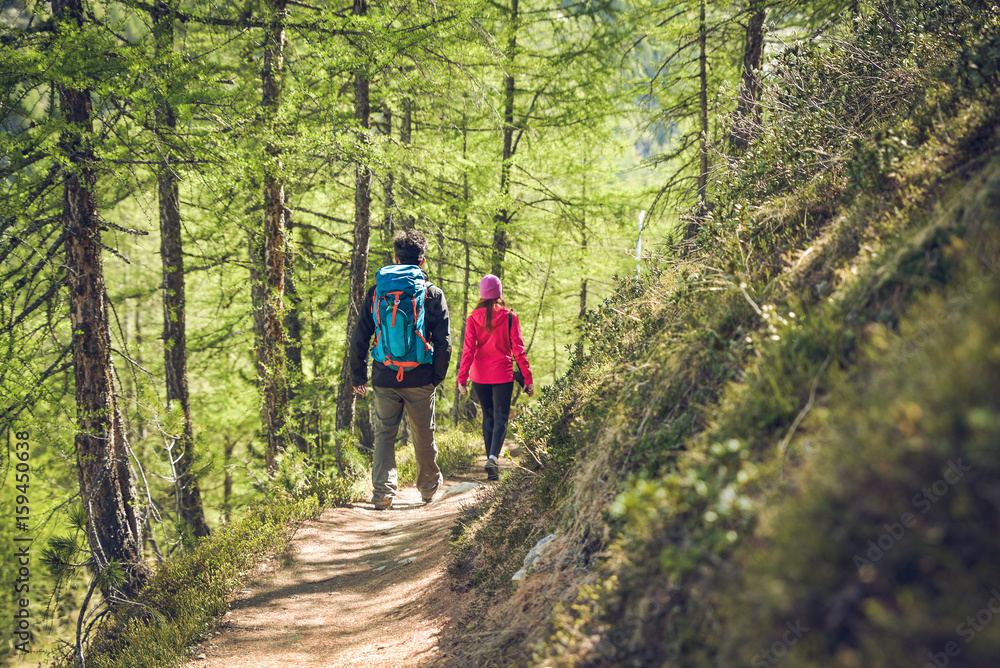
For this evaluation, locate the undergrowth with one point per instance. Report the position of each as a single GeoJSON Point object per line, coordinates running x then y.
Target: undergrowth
{"type": "Point", "coordinates": [344, 481]}
{"type": "Point", "coordinates": [190, 589]}
{"type": "Point", "coordinates": [192, 586]}
{"type": "Point", "coordinates": [458, 451]}
{"type": "Point", "coordinates": [733, 428]}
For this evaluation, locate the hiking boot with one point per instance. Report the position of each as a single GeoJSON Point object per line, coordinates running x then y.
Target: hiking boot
{"type": "Point", "coordinates": [492, 470]}
{"type": "Point", "coordinates": [383, 504]}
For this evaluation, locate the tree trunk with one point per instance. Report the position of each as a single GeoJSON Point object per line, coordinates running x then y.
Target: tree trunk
{"type": "Point", "coordinates": [389, 218]}
{"type": "Point", "coordinates": [703, 112]}
{"type": "Point", "coordinates": [362, 233]}
{"type": "Point", "coordinates": [293, 351]}
{"type": "Point", "coordinates": [174, 329]}
{"type": "Point", "coordinates": [275, 380]}
{"type": "Point", "coordinates": [580, 318]}
{"type": "Point", "coordinates": [746, 118]}
{"type": "Point", "coordinates": [583, 279]}
{"type": "Point", "coordinates": [366, 430]}
{"type": "Point", "coordinates": [362, 406]}
{"type": "Point", "coordinates": [500, 229]}
{"type": "Point", "coordinates": [406, 138]}
{"type": "Point", "coordinates": [114, 530]}
{"type": "Point", "coordinates": [227, 483]}
{"type": "Point", "coordinates": [256, 264]}
{"type": "Point", "coordinates": [458, 405]}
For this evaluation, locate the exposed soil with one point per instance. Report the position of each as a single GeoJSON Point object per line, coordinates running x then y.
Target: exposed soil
{"type": "Point", "coordinates": [356, 587]}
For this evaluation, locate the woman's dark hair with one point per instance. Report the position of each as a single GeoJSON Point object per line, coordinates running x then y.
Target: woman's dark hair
{"type": "Point", "coordinates": [489, 304]}
{"type": "Point", "coordinates": [410, 246]}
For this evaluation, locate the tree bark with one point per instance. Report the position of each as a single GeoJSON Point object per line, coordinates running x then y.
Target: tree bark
{"type": "Point", "coordinates": [275, 378]}
{"type": "Point", "coordinates": [174, 305]}
{"type": "Point", "coordinates": [227, 483]}
{"type": "Point", "coordinates": [362, 234]}
{"type": "Point", "coordinates": [114, 530]}
{"type": "Point", "coordinates": [501, 239]}
{"type": "Point", "coordinates": [458, 405]}
{"type": "Point", "coordinates": [389, 219]}
{"type": "Point", "coordinates": [581, 316]}
{"type": "Point", "coordinates": [362, 406]}
{"type": "Point", "coordinates": [406, 138]}
{"type": "Point", "coordinates": [256, 263]}
{"type": "Point", "coordinates": [293, 351]}
{"type": "Point", "coordinates": [703, 112]}
{"type": "Point", "coordinates": [746, 117]}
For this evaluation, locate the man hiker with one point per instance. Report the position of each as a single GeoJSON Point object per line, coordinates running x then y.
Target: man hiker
{"type": "Point", "coordinates": [408, 316]}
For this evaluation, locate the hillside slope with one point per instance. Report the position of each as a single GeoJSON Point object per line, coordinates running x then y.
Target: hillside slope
{"type": "Point", "coordinates": [785, 442]}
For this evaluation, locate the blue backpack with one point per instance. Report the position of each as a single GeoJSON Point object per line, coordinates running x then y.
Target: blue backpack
{"type": "Point", "coordinates": [398, 311]}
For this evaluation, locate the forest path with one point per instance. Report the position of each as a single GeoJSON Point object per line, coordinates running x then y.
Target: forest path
{"type": "Point", "coordinates": [356, 587]}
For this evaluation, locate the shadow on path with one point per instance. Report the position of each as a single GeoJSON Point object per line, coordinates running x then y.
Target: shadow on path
{"type": "Point", "coordinates": [356, 587]}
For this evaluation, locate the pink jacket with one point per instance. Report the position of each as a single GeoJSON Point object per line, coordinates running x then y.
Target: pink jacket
{"type": "Point", "coordinates": [486, 357]}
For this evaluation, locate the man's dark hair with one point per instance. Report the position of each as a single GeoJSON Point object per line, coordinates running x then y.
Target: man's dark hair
{"type": "Point", "coordinates": [410, 246]}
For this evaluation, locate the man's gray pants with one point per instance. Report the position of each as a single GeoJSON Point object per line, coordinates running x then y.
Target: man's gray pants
{"type": "Point", "coordinates": [388, 404]}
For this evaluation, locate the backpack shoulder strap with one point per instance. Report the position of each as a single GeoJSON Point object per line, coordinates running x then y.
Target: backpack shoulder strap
{"type": "Point", "coordinates": [510, 320]}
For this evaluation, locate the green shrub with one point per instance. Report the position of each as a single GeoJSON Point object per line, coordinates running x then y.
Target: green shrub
{"type": "Point", "coordinates": [703, 415]}
{"type": "Point", "coordinates": [458, 451]}
{"type": "Point", "coordinates": [888, 545]}
{"type": "Point", "coordinates": [191, 588]}
{"type": "Point", "coordinates": [338, 478]}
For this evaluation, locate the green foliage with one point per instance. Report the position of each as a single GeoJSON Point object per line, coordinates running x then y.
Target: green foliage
{"type": "Point", "coordinates": [111, 576]}
{"type": "Point", "coordinates": [914, 437]}
{"type": "Point", "coordinates": [338, 479]}
{"type": "Point", "coordinates": [191, 588]}
{"type": "Point", "coordinates": [736, 382]}
{"type": "Point", "coordinates": [458, 451]}
{"type": "Point", "coordinates": [60, 555]}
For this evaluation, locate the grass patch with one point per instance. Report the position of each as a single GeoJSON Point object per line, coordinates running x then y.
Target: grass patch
{"type": "Point", "coordinates": [191, 588]}
{"type": "Point", "coordinates": [458, 451]}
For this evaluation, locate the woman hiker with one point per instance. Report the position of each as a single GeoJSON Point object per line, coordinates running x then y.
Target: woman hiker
{"type": "Point", "coordinates": [492, 343]}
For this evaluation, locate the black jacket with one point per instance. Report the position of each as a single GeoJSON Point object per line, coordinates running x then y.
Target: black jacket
{"type": "Point", "coordinates": [437, 325]}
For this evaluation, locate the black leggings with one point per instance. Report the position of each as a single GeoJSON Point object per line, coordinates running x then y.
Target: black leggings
{"type": "Point", "coordinates": [495, 401]}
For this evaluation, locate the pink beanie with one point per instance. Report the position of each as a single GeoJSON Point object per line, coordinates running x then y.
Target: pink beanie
{"type": "Point", "coordinates": [490, 287]}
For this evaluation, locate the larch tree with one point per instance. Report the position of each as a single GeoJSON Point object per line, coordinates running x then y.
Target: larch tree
{"type": "Point", "coordinates": [358, 279]}
{"type": "Point", "coordinates": [107, 489]}
{"type": "Point", "coordinates": [187, 488]}
{"type": "Point", "coordinates": [503, 217]}
{"type": "Point", "coordinates": [274, 382]}
{"type": "Point", "coordinates": [746, 116]}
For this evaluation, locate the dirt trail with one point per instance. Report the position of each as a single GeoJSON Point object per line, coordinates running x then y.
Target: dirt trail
{"type": "Point", "coordinates": [358, 587]}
